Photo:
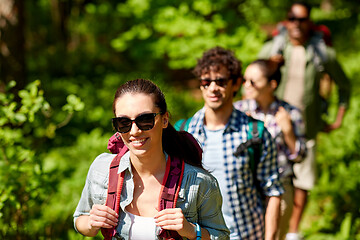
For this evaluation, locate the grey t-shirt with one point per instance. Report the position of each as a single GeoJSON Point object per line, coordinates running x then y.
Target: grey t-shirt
{"type": "Point", "coordinates": [213, 161]}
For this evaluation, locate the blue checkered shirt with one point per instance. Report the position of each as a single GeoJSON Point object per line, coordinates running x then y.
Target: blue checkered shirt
{"type": "Point", "coordinates": [244, 200]}
{"type": "Point", "coordinates": [285, 157]}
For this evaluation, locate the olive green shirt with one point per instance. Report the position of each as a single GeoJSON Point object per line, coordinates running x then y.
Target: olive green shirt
{"type": "Point", "coordinates": [312, 100]}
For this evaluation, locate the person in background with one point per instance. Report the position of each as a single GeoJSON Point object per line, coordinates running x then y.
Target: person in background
{"type": "Point", "coordinates": [220, 129]}
{"type": "Point", "coordinates": [307, 58]}
{"type": "Point", "coordinates": [283, 121]}
{"type": "Point", "coordinates": [142, 121]}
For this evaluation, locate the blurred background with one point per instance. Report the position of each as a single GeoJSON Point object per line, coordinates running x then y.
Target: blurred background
{"type": "Point", "coordinates": [62, 60]}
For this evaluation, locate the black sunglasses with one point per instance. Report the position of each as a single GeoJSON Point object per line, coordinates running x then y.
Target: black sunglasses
{"type": "Point", "coordinates": [251, 82]}
{"type": "Point", "coordinates": [221, 82]}
{"type": "Point", "coordinates": [293, 19]}
{"type": "Point", "coordinates": [144, 122]}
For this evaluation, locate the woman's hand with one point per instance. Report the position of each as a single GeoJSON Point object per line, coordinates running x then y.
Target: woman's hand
{"type": "Point", "coordinates": [283, 119]}
{"type": "Point", "coordinates": [173, 219]}
{"type": "Point", "coordinates": [100, 216]}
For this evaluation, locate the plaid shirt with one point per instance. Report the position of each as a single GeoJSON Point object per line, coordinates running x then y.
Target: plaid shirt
{"type": "Point", "coordinates": [285, 158]}
{"type": "Point", "coordinates": [245, 202]}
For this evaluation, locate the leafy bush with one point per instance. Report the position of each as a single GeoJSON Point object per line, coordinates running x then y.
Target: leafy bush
{"type": "Point", "coordinates": [25, 186]}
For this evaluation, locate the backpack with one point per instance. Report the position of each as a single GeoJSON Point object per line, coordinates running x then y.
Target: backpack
{"type": "Point", "coordinates": [317, 43]}
{"type": "Point", "coordinates": [169, 193]}
{"type": "Point", "coordinates": [253, 144]}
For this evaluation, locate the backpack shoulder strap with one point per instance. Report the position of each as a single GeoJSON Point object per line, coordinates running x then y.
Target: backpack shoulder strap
{"type": "Point", "coordinates": [170, 191]}
{"type": "Point", "coordinates": [114, 190]}
{"type": "Point", "coordinates": [253, 145]}
{"type": "Point", "coordinates": [172, 182]}
{"type": "Point", "coordinates": [256, 129]}
{"type": "Point", "coordinates": [182, 124]}
{"type": "Point", "coordinates": [254, 136]}
{"type": "Point", "coordinates": [168, 195]}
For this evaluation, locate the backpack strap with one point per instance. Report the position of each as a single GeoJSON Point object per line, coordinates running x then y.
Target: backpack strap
{"type": "Point", "coordinates": [182, 124]}
{"type": "Point", "coordinates": [253, 145]}
{"type": "Point", "coordinates": [170, 191]}
{"type": "Point", "coordinates": [168, 194]}
{"type": "Point", "coordinates": [256, 129]}
{"type": "Point", "coordinates": [114, 190]}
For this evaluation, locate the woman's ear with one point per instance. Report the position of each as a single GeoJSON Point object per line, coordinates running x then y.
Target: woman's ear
{"type": "Point", "coordinates": [273, 84]}
{"type": "Point", "coordinates": [165, 120]}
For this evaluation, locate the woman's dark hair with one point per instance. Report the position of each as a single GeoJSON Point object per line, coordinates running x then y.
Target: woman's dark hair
{"type": "Point", "coordinates": [217, 57]}
{"type": "Point", "coordinates": [178, 144]}
{"type": "Point", "coordinates": [270, 68]}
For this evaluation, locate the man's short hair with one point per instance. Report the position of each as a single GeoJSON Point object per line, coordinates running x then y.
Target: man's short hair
{"type": "Point", "coordinates": [218, 57]}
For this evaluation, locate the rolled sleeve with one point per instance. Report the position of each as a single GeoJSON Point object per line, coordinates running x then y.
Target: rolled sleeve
{"type": "Point", "coordinates": [299, 131]}
{"type": "Point", "coordinates": [95, 189]}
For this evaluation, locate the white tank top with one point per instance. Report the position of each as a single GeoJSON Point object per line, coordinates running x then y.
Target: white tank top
{"type": "Point", "coordinates": [142, 227]}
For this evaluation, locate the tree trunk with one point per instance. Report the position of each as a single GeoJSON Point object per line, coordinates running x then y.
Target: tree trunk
{"type": "Point", "coordinates": [12, 43]}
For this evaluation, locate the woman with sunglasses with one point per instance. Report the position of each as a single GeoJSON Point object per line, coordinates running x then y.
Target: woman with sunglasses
{"type": "Point", "coordinates": [283, 121]}
{"type": "Point", "coordinates": [142, 121]}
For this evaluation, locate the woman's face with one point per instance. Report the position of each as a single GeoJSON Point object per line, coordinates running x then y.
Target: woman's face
{"type": "Point", "coordinates": [256, 85]}
{"type": "Point", "coordinates": [141, 142]}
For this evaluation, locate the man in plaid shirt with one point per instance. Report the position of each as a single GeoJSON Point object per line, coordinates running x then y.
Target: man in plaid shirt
{"type": "Point", "coordinates": [221, 129]}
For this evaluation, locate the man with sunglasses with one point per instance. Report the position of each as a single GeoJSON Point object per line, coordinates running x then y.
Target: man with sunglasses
{"type": "Point", "coordinates": [307, 59]}
{"type": "Point", "coordinates": [220, 129]}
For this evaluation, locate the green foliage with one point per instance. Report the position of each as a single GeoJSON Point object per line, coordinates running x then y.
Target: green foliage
{"type": "Point", "coordinates": [335, 199]}
{"type": "Point", "coordinates": [86, 49]}
{"type": "Point", "coordinates": [25, 186]}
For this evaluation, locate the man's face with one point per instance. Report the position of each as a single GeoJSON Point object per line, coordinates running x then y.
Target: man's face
{"type": "Point", "coordinates": [218, 94]}
{"type": "Point", "coordinates": [298, 24]}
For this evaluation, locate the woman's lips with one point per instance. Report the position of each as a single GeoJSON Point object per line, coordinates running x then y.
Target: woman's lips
{"type": "Point", "coordinates": [138, 142]}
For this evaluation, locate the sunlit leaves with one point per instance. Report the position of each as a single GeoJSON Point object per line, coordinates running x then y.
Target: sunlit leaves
{"type": "Point", "coordinates": [24, 186]}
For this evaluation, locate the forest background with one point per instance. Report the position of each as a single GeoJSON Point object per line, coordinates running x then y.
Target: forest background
{"type": "Point", "coordinates": [61, 61]}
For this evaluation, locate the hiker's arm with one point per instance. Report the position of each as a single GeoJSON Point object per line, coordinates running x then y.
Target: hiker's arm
{"type": "Point", "coordinates": [338, 122]}
{"type": "Point", "coordinates": [334, 69]}
{"type": "Point", "coordinates": [100, 216]}
{"type": "Point", "coordinates": [267, 173]}
{"type": "Point", "coordinates": [272, 218]}
{"type": "Point", "coordinates": [203, 205]}
{"type": "Point", "coordinates": [283, 119]}
{"type": "Point", "coordinates": [293, 128]}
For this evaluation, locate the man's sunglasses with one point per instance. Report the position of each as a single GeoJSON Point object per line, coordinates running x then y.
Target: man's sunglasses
{"type": "Point", "coordinates": [144, 122]}
{"type": "Point", "coordinates": [293, 19]}
{"type": "Point", "coordinates": [221, 82]}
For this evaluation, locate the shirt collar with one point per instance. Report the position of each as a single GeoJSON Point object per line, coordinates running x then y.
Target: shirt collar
{"type": "Point", "coordinates": [232, 124]}
{"type": "Point", "coordinates": [125, 162]}
{"type": "Point", "coordinates": [272, 108]}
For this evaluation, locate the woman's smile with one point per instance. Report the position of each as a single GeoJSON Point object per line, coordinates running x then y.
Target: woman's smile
{"type": "Point", "coordinates": [138, 142]}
